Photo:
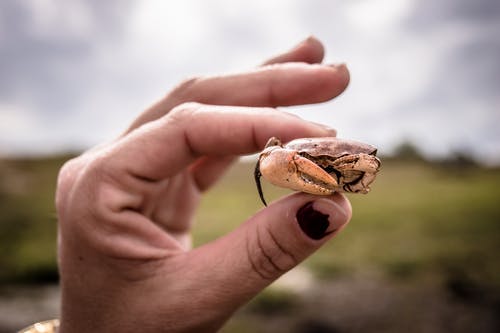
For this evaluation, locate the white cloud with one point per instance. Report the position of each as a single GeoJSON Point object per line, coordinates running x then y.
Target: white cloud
{"type": "Point", "coordinates": [60, 19]}
{"type": "Point", "coordinates": [377, 16]}
{"type": "Point", "coordinates": [91, 67]}
{"type": "Point", "coordinates": [20, 128]}
{"type": "Point", "coordinates": [14, 120]}
{"type": "Point", "coordinates": [166, 25]}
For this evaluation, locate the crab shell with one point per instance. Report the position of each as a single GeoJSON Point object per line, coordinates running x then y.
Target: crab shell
{"type": "Point", "coordinates": [319, 166]}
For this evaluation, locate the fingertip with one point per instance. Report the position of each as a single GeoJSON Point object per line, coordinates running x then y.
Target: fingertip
{"type": "Point", "coordinates": [342, 71]}
{"type": "Point", "coordinates": [309, 50]}
{"type": "Point", "coordinates": [329, 131]}
{"type": "Point", "coordinates": [341, 203]}
{"type": "Point", "coordinates": [323, 216]}
{"type": "Point", "coordinates": [334, 81]}
{"type": "Point", "coordinates": [337, 206]}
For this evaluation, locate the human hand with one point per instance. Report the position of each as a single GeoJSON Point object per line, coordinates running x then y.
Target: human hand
{"type": "Point", "coordinates": [125, 208]}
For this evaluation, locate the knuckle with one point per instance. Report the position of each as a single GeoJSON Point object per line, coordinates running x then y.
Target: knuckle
{"type": "Point", "coordinates": [185, 91]}
{"type": "Point", "coordinates": [184, 111]}
{"type": "Point", "coordinates": [268, 258]}
{"type": "Point", "coordinates": [67, 172]}
{"type": "Point", "coordinates": [66, 180]}
{"type": "Point", "coordinates": [78, 184]}
{"type": "Point", "coordinates": [271, 94]}
{"type": "Point", "coordinates": [279, 255]}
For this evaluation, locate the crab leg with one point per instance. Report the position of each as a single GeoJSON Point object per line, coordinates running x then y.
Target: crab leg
{"type": "Point", "coordinates": [360, 162]}
{"type": "Point", "coordinates": [352, 162]}
{"type": "Point", "coordinates": [257, 176]}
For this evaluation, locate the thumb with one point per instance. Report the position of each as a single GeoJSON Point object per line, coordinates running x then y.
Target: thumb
{"type": "Point", "coordinates": [276, 239]}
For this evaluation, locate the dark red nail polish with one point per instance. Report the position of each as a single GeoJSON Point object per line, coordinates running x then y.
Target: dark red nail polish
{"type": "Point", "coordinates": [312, 222]}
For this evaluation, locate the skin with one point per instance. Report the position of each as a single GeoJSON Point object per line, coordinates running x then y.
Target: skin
{"type": "Point", "coordinates": [126, 208]}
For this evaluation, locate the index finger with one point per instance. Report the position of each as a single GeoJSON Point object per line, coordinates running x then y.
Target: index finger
{"type": "Point", "coordinates": [164, 147]}
{"type": "Point", "coordinates": [269, 86]}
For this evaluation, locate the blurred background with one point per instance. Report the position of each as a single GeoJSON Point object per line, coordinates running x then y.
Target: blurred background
{"type": "Point", "coordinates": [422, 251]}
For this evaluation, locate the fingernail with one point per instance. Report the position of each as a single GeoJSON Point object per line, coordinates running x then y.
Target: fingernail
{"type": "Point", "coordinates": [338, 65]}
{"type": "Point", "coordinates": [330, 130]}
{"type": "Point", "coordinates": [305, 41]}
{"type": "Point", "coordinates": [314, 220]}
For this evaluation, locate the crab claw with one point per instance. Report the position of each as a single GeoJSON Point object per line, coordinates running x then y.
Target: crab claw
{"type": "Point", "coordinates": [286, 168]}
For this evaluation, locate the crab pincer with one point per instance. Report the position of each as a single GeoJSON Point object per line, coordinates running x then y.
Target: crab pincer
{"type": "Point", "coordinates": [318, 166]}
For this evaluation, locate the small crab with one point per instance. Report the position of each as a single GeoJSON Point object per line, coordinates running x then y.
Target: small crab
{"type": "Point", "coordinates": [318, 166]}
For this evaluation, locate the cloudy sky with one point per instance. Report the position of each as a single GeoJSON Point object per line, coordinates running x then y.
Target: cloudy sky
{"type": "Point", "coordinates": [75, 73]}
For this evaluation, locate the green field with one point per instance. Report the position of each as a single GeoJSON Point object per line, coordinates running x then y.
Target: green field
{"type": "Point", "coordinates": [423, 225]}
{"type": "Point", "coordinates": [418, 217]}
{"type": "Point", "coordinates": [28, 220]}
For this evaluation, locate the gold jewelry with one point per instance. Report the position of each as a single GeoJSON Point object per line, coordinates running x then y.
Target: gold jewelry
{"type": "Point", "coordinates": [49, 326]}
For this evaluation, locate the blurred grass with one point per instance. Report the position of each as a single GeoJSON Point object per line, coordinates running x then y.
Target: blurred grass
{"type": "Point", "coordinates": [28, 220]}
{"type": "Point", "coordinates": [419, 218]}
